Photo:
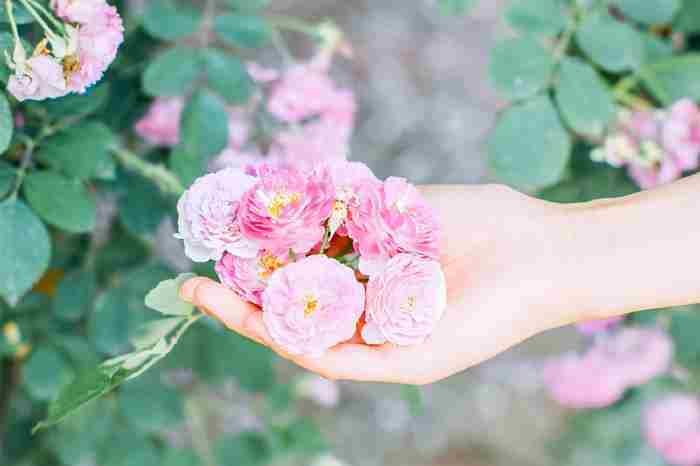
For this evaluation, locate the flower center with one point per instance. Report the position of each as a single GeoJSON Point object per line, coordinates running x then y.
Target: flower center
{"type": "Point", "coordinates": [310, 305]}
{"type": "Point", "coordinates": [269, 263]}
{"type": "Point", "coordinates": [42, 48]}
{"type": "Point", "coordinates": [71, 64]}
{"type": "Point", "coordinates": [409, 305]}
{"type": "Point", "coordinates": [280, 201]}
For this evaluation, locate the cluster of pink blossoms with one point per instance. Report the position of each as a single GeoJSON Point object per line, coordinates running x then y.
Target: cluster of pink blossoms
{"type": "Point", "coordinates": [70, 60]}
{"type": "Point", "coordinates": [672, 426]}
{"type": "Point", "coordinates": [614, 363]}
{"type": "Point", "coordinates": [300, 240]}
{"type": "Point", "coordinates": [656, 146]}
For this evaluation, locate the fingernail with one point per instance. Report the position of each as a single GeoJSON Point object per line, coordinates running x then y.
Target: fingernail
{"type": "Point", "coordinates": [187, 290]}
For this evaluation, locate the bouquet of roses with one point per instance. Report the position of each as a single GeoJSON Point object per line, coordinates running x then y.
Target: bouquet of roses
{"type": "Point", "coordinates": [323, 248]}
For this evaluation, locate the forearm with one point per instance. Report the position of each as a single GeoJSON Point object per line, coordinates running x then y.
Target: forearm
{"type": "Point", "coordinates": [633, 253]}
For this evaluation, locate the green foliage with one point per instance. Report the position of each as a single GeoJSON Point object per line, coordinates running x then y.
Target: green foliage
{"type": "Point", "coordinates": [227, 76]}
{"type": "Point", "coordinates": [205, 125]}
{"type": "Point", "coordinates": [165, 297]}
{"type": "Point", "coordinates": [520, 67]}
{"type": "Point", "coordinates": [649, 11]}
{"type": "Point", "coordinates": [170, 20]}
{"type": "Point", "coordinates": [6, 124]}
{"type": "Point", "coordinates": [456, 7]}
{"type": "Point", "coordinates": [673, 78]}
{"type": "Point", "coordinates": [173, 72]}
{"type": "Point", "coordinates": [684, 328]}
{"type": "Point", "coordinates": [613, 45]}
{"type": "Point", "coordinates": [75, 295]}
{"type": "Point", "coordinates": [529, 148]}
{"type": "Point", "coordinates": [538, 17]}
{"type": "Point", "coordinates": [241, 30]}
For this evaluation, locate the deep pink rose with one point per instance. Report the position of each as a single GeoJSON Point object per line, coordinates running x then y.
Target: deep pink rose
{"type": "Point", "coordinates": [672, 427]}
{"type": "Point", "coordinates": [312, 305]}
{"type": "Point", "coordinates": [597, 326]}
{"type": "Point", "coordinates": [405, 301]}
{"type": "Point", "coordinates": [391, 218]}
{"type": "Point", "coordinates": [161, 123]}
{"type": "Point", "coordinates": [248, 276]}
{"type": "Point", "coordinates": [208, 216]}
{"type": "Point", "coordinates": [583, 382]}
{"type": "Point", "coordinates": [681, 133]}
{"type": "Point", "coordinates": [287, 207]}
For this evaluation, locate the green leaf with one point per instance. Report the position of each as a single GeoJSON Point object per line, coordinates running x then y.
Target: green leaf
{"type": "Point", "coordinates": [45, 373]}
{"type": "Point", "coordinates": [170, 20]}
{"type": "Point", "coordinates": [75, 294]}
{"type": "Point", "coordinates": [583, 98]}
{"type": "Point", "coordinates": [149, 333]}
{"type": "Point", "coordinates": [520, 67]}
{"type": "Point", "coordinates": [187, 166]}
{"type": "Point", "coordinates": [539, 17]}
{"type": "Point", "coordinates": [181, 457]}
{"type": "Point", "coordinates": [248, 5]}
{"type": "Point", "coordinates": [87, 386]}
{"type": "Point", "coordinates": [228, 77]}
{"type": "Point", "coordinates": [674, 78]}
{"type": "Point", "coordinates": [20, 13]}
{"type": "Point", "coordinates": [246, 31]}
{"type": "Point", "coordinates": [8, 175]}
{"type": "Point", "coordinates": [148, 405]}
{"type": "Point", "coordinates": [60, 201]}
{"type": "Point", "coordinates": [611, 44]}
{"type": "Point", "coordinates": [656, 49]}
{"type": "Point", "coordinates": [205, 125]}
{"type": "Point", "coordinates": [143, 206]}
{"type": "Point", "coordinates": [81, 151]}
{"type": "Point", "coordinates": [24, 249]}
{"type": "Point", "coordinates": [529, 148]}
{"type": "Point", "coordinates": [649, 11]}
{"type": "Point", "coordinates": [456, 7]}
{"type": "Point", "coordinates": [247, 448]}
{"type": "Point", "coordinates": [685, 324]}
{"type": "Point", "coordinates": [128, 448]}
{"type": "Point", "coordinates": [74, 105]}
{"type": "Point", "coordinates": [108, 327]}
{"type": "Point", "coordinates": [173, 72]}
{"type": "Point", "coordinates": [165, 298]}
{"type": "Point", "coordinates": [6, 124]}
{"type": "Point", "coordinates": [688, 19]}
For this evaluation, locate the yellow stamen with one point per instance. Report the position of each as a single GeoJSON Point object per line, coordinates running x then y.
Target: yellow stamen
{"type": "Point", "coordinates": [42, 48]}
{"type": "Point", "coordinates": [280, 201]}
{"type": "Point", "coordinates": [269, 263]}
{"type": "Point", "coordinates": [409, 305]}
{"type": "Point", "coordinates": [310, 305]}
{"type": "Point", "coordinates": [71, 64]}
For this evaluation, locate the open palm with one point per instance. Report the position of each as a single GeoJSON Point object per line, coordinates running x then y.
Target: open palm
{"type": "Point", "coordinates": [497, 260]}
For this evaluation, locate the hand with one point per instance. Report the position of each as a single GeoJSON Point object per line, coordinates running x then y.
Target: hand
{"type": "Point", "coordinates": [499, 261]}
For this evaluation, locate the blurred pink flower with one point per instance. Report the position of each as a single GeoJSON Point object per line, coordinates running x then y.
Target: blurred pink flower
{"type": "Point", "coordinates": [312, 305]}
{"type": "Point", "coordinates": [234, 158]}
{"type": "Point", "coordinates": [390, 218]}
{"type": "Point", "coordinates": [287, 207]}
{"type": "Point", "coordinates": [302, 92]}
{"type": "Point", "coordinates": [672, 426]}
{"type": "Point", "coordinates": [248, 276]}
{"type": "Point", "coordinates": [405, 301]}
{"type": "Point", "coordinates": [596, 326]}
{"type": "Point", "coordinates": [650, 177]}
{"type": "Point", "coordinates": [582, 382]}
{"type": "Point", "coordinates": [681, 133]}
{"type": "Point", "coordinates": [42, 78]}
{"type": "Point", "coordinates": [208, 216]}
{"type": "Point", "coordinates": [238, 128]}
{"type": "Point", "coordinates": [161, 123]}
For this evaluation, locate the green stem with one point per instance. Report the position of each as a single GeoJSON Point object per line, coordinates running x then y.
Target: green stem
{"type": "Point", "coordinates": [293, 24]}
{"type": "Point", "coordinates": [161, 176]}
{"type": "Point", "coordinates": [59, 25]}
{"type": "Point", "coordinates": [38, 18]}
{"type": "Point", "coordinates": [11, 18]}
{"type": "Point", "coordinates": [24, 164]}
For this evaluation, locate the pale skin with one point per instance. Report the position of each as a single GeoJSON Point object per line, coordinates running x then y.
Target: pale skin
{"type": "Point", "coordinates": [515, 267]}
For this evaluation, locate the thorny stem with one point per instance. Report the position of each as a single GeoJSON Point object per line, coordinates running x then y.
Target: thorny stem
{"type": "Point", "coordinates": [161, 176]}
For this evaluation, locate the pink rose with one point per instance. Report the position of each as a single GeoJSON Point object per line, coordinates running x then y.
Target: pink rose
{"type": "Point", "coordinates": [287, 207]}
{"type": "Point", "coordinates": [405, 301]}
{"type": "Point", "coordinates": [638, 354]}
{"type": "Point", "coordinates": [583, 382]}
{"type": "Point", "coordinates": [41, 79]}
{"type": "Point", "coordinates": [312, 305]}
{"type": "Point", "coordinates": [161, 123]}
{"type": "Point", "coordinates": [681, 133]}
{"type": "Point", "coordinates": [234, 158]}
{"type": "Point", "coordinates": [657, 175]}
{"type": "Point", "coordinates": [208, 216]}
{"type": "Point", "coordinates": [672, 427]}
{"type": "Point", "coordinates": [347, 180]}
{"type": "Point", "coordinates": [597, 326]}
{"type": "Point", "coordinates": [314, 142]}
{"type": "Point", "coordinates": [391, 218]}
{"type": "Point", "coordinates": [248, 276]}
{"type": "Point", "coordinates": [304, 91]}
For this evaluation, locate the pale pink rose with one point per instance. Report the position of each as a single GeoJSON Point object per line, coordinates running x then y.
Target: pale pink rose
{"type": "Point", "coordinates": [597, 326]}
{"type": "Point", "coordinates": [637, 354]}
{"type": "Point", "coordinates": [41, 79]}
{"type": "Point", "coordinates": [248, 276]}
{"type": "Point", "coordinates": [583, 382]}
{"type": "Point", "coordinates": [391, 218]}
{"type": "Point", "coordinates": [302, 92]}
{"type": "Point", "coordinates": [314, 142]}
{"type": "Point", "coordinates": [312, 305]}
{"type": "Point", "coordinates": [672, 427]}
{"type": "Point", "coordinates": [347, 179]}
{"type": "Point", "coordinates": [405, 301]}
{"type": "Point", "coordinates": [657, 175]}
{"type": "Point", "coordinates": [234, 158]}
{"type": "Point", "coordinates": [262, 74]}
{"type": "Point", "coordinates": [643, 124]}
{"type": "Point", "coordinates": [681, 133]}
{"type": "Point", "coordinates": [238, 128]}
{"type": "Point", "coordinates": [78, 11]}
{"type": "Point", "coordinates": [287, 207]}
{"type": "Point", "coordinates": [322, 391]}
{"type": "Point", "coordinates": [161, 123]}
{"type": "Point", "coordinates": [208, 216]}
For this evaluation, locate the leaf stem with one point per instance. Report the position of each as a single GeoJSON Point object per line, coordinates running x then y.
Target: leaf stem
{"type": "Point", "coordinates": [38, 18]}
{"type": "Point", "coordinates": [161, 176]}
